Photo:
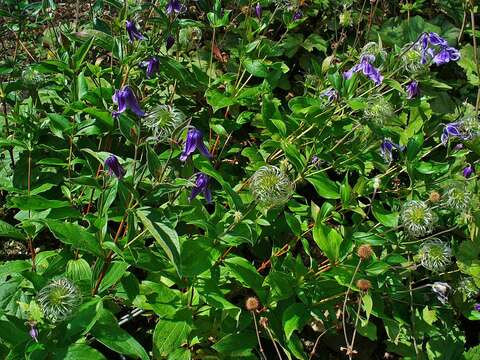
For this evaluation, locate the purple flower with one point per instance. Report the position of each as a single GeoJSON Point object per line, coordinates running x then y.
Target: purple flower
{"type": "Point", "coordinates": [412, 89]}
{"type": "Point", "coordinates": [477, 307]}
{"type": "Point", "coordinates": [152, 65]}
{"type": "Point", "coordinates": [114, 167]}
{"type": "Point", "coordinates": [367, 68]}
{"type": "Point", "coordinates": [258, 10]}
{"type": "Point", "coordinates": [436, 47]}
{"type": "Point", "coordinates": [174, 6]}
{"type": "Point", "coordinates": [387, 147]}
{"type": "Point", "coordinates": [125, 99]}
{"type": "Point", "coordinates": [33, 332]}
{"type": "Point", "coordinates": [194, 141]}
{"type": "Point", "coordinates": [201, 186]}
{"type": "Point", "coordinates": [468, 171]}
{"type": "Point", "coordinates": [458, 147]}
{"type": "Point", "coordinates": [133, 32]}
{"type": "Point", "coordinates": [450, 129]}
{"type": "Point", "coordinates": [170, 41]}
{"type": "Point", "coordinates": [446, 55]}
{"type": "Point", "coordinates": [441, 289]}
{"type": "Point", "coordinates": [297, 15]}
{"type": "Point", "coordinates": [331, 94]}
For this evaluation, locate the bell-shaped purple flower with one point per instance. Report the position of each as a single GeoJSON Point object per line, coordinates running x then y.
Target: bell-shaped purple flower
{"type": "Point", "coordinates": [446, 55]}
{"type": "Point", "coordinates": [412, 89]}
{"type": "Point", "coordinates": [152, 66]}
{"type": "Point", "coordinates": [387, 148]}
{"type": "Point", "coordinates": [133, 32]}
{"type": "Point", "coordinates": [114, 167]}
{"type": "Point", "coordinates": [194, 141]}
{"type": "Point", "coordinates": [449, 130]}
{"type": "Point", "coordinates": [476, 307]}
{"type": "Point", "coordinates": [169, 42]}
{"type": "Point", "coordinates": [258, 10]}
{"type": "Point", "coordinates": [330, 94]}
{"type": "Point", "coordinates": [297, 15]}
{"type": "Point", "coordinates": [201, 186]}
{"type": "Point", "coordinates": [174, 6]}
{"type": "Point", "coordinates": [125, 99]}
{"type": "Point", "coordinates": [468, 171]}
{"type": "Point", "coordinates": [33, 332]}
{"type": "Point", "coordinates": [367, 69]}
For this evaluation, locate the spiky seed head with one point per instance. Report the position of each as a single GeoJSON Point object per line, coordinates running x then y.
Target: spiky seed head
{"type": "Point", "coordinates": [457, 198]}
{"type": "Point", "coordinates": [434, 197]}
{"type": "Point", "coordinates": [162, 121]}
{"type": "Point", "coordinates": [467, 287]}
{"type": "Point", "coordinates": [378, 111]}
{"type": "Point", "coordinates": [59, 299]}
{"type": "Point", "coordinates": [252, 303]}
{"type": "Point", "coordinates": [372, 48]}
{"type": "Point", "coordinates": [435, 255]}
{"type": "Point", "coordinates": [364, 284]}
{"type": "Point", "coordinates": [417, 218]}
{"type": "Point", "coordinates": [270, 186]}
{"type": "Point", "coordinates": [412, 59]}
{"type": "Point", "coordinates": [32, 78]}
{"type": "Point", "coordinates": [364, 251]}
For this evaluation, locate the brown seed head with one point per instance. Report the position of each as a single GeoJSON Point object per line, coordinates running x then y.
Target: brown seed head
{"type": "Point", "coordinates": [364, 284]}
{"type": "Point", "coordinates": [364, 251]}
{"type": "Point", "coordinates": [434, 197]}
{"type": "Point", "coordinates": [252, 304]}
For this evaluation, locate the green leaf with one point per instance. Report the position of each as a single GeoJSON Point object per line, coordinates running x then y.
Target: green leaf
{"type": "Point", "coordinates": [169, 335]}
{"type": "Point", "coordinates": [328, 240]}
{"type": "Point", "coordinates": [10, 231]}
{"type": "Point", "coordinates": [75, 235]}
{"type": "Point", "coordinates": [115, 272]}
{"type": "Point", "coordinates": [14, 266]}
{"type": "Point", "coordinates": [246, 274]}
{"type": "Point", "coordinates": [166, 237]}
{"type": "Point", "coordinates": [386, 218]}
{"type": "Point", "coordinates": [107, 331]}
{"type": "Point", "coordinates": [325, 187]}
{"type": "Point", "coordinates": [84, 319]}
{"type": "Point", "coordinates": [367, 303]}
{"type": "Point", "coordinates": [79, 352]}
{"type": "Point", "coordinates": [82, 52]}
{"type": "Point", "coordinates": [105, 119]}
{"type": "Point", "coordinates": [35, 202]}
{"type": "Point", "coordinates": [294, 318]}
{"type": "Point", "coordinates": [237, 344]}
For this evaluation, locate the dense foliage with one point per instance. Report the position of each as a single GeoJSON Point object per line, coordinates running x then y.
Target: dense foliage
{"type": "Point", "coordinates": [239, 180]}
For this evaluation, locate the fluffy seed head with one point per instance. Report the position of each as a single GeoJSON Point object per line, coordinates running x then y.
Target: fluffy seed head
{"type": "Point", "coordinates": [435, 255]}
{"type": "Point", "coordinates": [467, 287]}
{"type": "Point", "coordinates": [252, 304]}
{"type": "Point", "coordinates": [270, 186]}
{"type": "Point", "coordinates": [372, 48]}
{"type": "Point", "coordinates": [364, 284]}
{"type": "Point", "coordinates": [412, 59]}
{"type": "Point", "coordinates": [434, 197]}
{"type": "Point", "coordinates": [378, 111]}
{"type": "Point", "coordinates": [162, 121]}
{"type": "Point", "coordinates": [417, 218]}
{"type": "Point", "coordinates": [59, 299]}
{"type": "Point", "coordinates": [32, 78]}
{"type": "Point", "coordinates": [457, 198]}
{"type": "Point", "coordinates": [364, 251]}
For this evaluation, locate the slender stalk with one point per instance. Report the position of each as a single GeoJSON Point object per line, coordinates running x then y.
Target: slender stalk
{"type": "Point", "coordinates": [211, 58]}
{"type": "Point", "coordinates": [29, 181]}
{"type": "Point", "coordinates": [7, 130]}
{"type": "Point", "coordinates": [475, 56]}
{"type": "Point", "coordinates": [274, 342]}
{"type": "Point", "coordinates": [344, 308]}
{"type": "Point", "coordinates": [258, 336]}
{"type": "Point", "coordinates": [355, 328]}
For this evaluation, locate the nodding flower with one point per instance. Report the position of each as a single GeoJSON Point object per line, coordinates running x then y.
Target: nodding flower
{"type": "Point", "coordinates": [467, 171]}
{"type": "Point", "coordinates": [194, 141]}
{"type": "Point", "coordinates": [387, 147]}
{"type": "Point", "coordinates": [174, 6]}
{"type": "Point", "coordinates": [133, 32]}
{"type": "Point", "coordinates": [435, 47]}
{"type": "Point", "coordinates": [169, 42]}
{"type": "Point", "coordinates": [33, 332]}
{"type": "Point", "coordinates": [412, 89]}
{"type": "Point", "coordinates": [258, 10]}
{"type": "Point", "coordinates": [297, 15]}
{"type": "Point", "coordinates": [441, 289]}
{"type": "Point", "coordinates": [331, 94]}
{"type": "Point", "coordinates": [125, 99]}
{"type": "Point", "coordinates": [201, 186]}
{"type": "Point", "coordinates": [367, 69]}
{"type": "Point", "coordinates": [114, 167]}
{"type": "Point", "coordinates": [152, 66]}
